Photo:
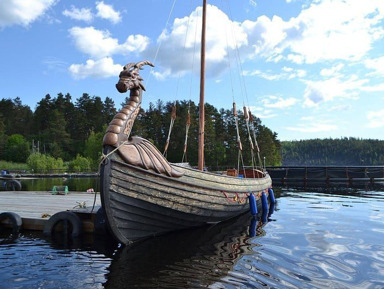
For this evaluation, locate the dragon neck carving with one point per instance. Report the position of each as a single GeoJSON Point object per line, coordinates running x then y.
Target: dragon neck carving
{"type": "Point", "coordinates": [134, 150]}
{"type": "Point", "coordinates": [120, 127]}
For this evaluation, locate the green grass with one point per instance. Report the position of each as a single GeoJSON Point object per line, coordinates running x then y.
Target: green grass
{"type": "Point", "coordinates": [11, 166]}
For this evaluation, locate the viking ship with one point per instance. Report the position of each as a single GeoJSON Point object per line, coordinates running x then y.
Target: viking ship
{"type": "Point", "coordinates": [144, 195]}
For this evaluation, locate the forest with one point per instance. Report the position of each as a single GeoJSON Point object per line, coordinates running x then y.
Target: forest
{"type": "Point", "coordinates": [67, 134]}
{"type": "Point", "coordinates": [65, 131]}
{"type": "Point", "coordinates": [333, 152]}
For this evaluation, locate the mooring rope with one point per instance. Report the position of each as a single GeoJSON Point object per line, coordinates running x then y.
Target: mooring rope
{"type": "Point", "coordinates": [102, 159]}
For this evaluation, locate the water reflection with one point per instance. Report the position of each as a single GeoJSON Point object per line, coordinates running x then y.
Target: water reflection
{"type": "Point", "coordinates": [79, 184]}
{"type": "Point", "coordinates": [186, 259]}
{"type": "Point", "coordinates": [30, 261]}
{"type": "Point", "coordinates": [312, 240]}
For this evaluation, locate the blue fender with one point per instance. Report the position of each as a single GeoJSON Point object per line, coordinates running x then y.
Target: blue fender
{"type": "Point", "coordinates": [271, 196]}
{"type": "Point", "coordinates": [252, 204]}
{"type": "Point", "coordinates": [252, 227]}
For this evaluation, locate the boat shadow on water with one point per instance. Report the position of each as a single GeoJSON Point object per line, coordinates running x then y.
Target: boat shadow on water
{"type": "Point", "coordinates": [188, 258]}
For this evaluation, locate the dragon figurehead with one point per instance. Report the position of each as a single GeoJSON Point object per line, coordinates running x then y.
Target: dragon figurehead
{"type": "Point", "coordinates": [129, 77]}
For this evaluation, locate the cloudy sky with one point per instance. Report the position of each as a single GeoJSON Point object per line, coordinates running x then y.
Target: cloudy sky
{"type": "Point", "coordinates": [311, 69]}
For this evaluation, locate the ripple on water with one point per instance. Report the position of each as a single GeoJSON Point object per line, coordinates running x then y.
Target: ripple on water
{"type": "Point", "coordinates": [313, 240]}
{"type": "Point", "coordinates": [34, 263]}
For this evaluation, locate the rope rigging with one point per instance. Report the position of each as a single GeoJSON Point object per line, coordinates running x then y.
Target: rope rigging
{"type": "Point", "coordinates": [249, 120]}
{"type": "Point", "coordinates": [253, 129]}
{"type": "Point", "coordinates": [247, 113]}
{"type": "Point", "coordinates": [173, 117]}
{"type": "Point", "coordinates": [188, 124]}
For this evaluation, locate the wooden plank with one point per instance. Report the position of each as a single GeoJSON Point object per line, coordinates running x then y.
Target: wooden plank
{"type": "Point", "coordinates": [36, 205]}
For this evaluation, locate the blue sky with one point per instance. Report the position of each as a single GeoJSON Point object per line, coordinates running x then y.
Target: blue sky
{"type": "Point", "coordinates": [311, 69]}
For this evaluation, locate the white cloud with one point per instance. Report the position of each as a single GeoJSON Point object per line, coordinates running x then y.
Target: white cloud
{"type": "Point", "coordinates": [332, 71]}
{"type": "Point", "coordinates": [287, 73]}
{"type": "Point", "coordinates": [279, 102]}
{"type": "Point", "coordinates": [262, 113]}
{"type": "Point", "coordinates": [220, 42]}
{"type": "Point", "coordinates": [83, 14]}
{"type": "Point", "coordinates": [133, 43]}
{"type": "Point", "coordinates": [16, 12]}
{"type": "Point", "coordinates": [101, 46]}
{"type": "Point", "coordinates": [374, 88]}
{"type": "Point", "coordinates": [296, 58]}
{"type": "Point", "coordinates": [331, 29]}
{"type": "Point", "coordinates": [94, 42]}
{"type": "Point", "coordinates": [317, 92]}
{"type": "Point", "coordinates": [161, 76]}
{"type": "Point", "coordinates": [265, 35]}
{"type": "Point", "coordinates": [98, 43]}
{"type": "Point", "coordinates": [294, 73]}
{"type": "Point", "coordinates": [340, 107]}
{"type": "Point", "coordinates": [101, 68]}
{"type": "Point", "coordinates": [326, 30]}
{"type": "Point", "coordinates": [313, 127]}
{"type": "Point", "coordinates": [107, 12]}
{"type": "Point", "coordinates": [375, 118]}
{"type": "Point", "coordinates": [54, 65]}
{"type": "Point", "coordinates": [377, 64]}
{"type": "Point", "coordinates": [265, 75]}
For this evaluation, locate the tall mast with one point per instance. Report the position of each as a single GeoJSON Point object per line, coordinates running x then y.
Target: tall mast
{"type": "Point", "coordinates": [202, 85]}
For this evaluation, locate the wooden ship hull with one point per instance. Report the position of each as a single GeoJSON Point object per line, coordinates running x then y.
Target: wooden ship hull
{"type": "Point", "coordinates": [141, 203]}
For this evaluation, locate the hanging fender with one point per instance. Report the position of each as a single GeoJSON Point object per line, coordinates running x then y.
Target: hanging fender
{"type": "Point", "coordinates": [252, 204]}
{"type": "Point", "coordinates": [264, 202]}
{"type": "Point", "coordinates": [14, 219]}
{"type": "Point", "coordinates": [271, 196]}
{"type": "Point", "coordinates": [71, 217]}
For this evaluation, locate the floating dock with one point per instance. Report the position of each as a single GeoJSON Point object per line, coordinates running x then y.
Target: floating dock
{"type": "Point", "coordinates": [36, 209]}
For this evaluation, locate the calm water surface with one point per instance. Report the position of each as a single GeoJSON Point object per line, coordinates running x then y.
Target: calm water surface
{"type": "Point", "coordinates": [77, 184]}
{"type": "Point", "coordinates": [312, 240]}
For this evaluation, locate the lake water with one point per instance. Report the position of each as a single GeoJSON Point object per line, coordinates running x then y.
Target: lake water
{"type": "Point", "coordinates": [312, 240]}
{"type": "Point", "coordinates": [77, 184]}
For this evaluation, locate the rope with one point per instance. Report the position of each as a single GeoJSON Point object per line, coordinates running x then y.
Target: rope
{"type": "Point", "coordinates": [236, 199]}
{"type": "Point", "coordinates": [173, 117]}
{"type": "Point", "coordinates": [254, 138]}
{"type": "Point", "coordinates": [102, 159]}
{"type": "Point", "coordinates": [158, 47]}
{"type": "Point", "coordinates": [246, 116]}
{"type": "Point", "coordinates": [186, 134]}
{"type": "Point", "coordinates": [242, 92]}
{"type": "Point", "coordinates": [240, 155]}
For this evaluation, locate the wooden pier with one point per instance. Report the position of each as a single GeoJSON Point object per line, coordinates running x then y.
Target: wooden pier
{"type": "Point", "coordinates": [36, 208]}
{"type": "Point", "coordinates": [326, 175]}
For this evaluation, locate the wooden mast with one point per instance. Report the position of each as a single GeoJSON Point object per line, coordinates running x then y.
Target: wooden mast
{"type": "Point", "coordinates": [202, 85]}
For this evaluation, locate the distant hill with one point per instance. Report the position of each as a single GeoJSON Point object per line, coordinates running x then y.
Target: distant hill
{"type": "Point", "coordinates": [344, 152]}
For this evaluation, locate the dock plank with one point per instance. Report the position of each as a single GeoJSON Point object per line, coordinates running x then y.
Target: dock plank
{"type": "Point", "coordinates": [33, 205]}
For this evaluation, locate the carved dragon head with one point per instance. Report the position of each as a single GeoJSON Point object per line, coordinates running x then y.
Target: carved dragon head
{"type": "Point", "coordinates": [129, 77]}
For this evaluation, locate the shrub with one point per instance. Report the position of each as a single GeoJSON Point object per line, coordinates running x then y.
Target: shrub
{"type": "Point", "coordinates": [41, 163]}
{"type": "Point", "coordinates": [80, 164]}
{"type": "Point", "coordinates": [11, 166]}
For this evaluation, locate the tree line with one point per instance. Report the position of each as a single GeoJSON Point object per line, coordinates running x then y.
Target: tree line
{"type": "Point", "coordinates": [329, 152]}
{"type": "Point", "coordinates": [69, 130]}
